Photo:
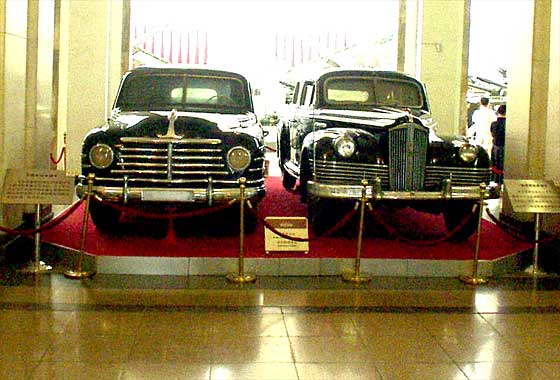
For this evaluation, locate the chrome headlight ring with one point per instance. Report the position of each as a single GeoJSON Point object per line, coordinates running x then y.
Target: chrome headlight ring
{"type": "Point", "coordinates": [238, 158]}
{"type": "Point", "coordinates": [101, 156]}
{"type": "Point", "coordinates": [345, 146]}
{"type": "Point", "coordinates": [468, 153]}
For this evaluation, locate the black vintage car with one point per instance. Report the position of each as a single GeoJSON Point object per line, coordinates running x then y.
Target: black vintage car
{"type": "Point", "coordinates": [344, 126]}
{"type": "Point", "coordinates": [180, 137]}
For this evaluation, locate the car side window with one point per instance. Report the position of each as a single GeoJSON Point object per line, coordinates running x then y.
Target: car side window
{"type": "Point", "coordinates": [296, 94]}
{"type": "Point", "coordinates": [307, 94]}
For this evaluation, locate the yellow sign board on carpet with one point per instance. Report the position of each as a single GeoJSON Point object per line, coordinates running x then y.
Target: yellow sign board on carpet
{"type": "Point", "coordinates": [288, 227]}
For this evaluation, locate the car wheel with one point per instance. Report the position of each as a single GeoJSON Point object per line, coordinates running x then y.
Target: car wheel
{"type": "Point", "coordinates": [288, 181]}
{"type": "Point", "coordinates": [105, 217]}
{"type": "Point", "coordinates": [250, 221]}
{"type": "Point", "coordinates": [455, 214]}
{"type": "Point", "coordinates": [324, 213]}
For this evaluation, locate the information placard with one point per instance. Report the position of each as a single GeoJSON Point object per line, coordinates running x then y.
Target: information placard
{"type": "Point", "coordinates": [533, 196]}
{"type": "Point", "coordinates": [37, 187]}
{"type": "Point", "coordinates": [291, 226]}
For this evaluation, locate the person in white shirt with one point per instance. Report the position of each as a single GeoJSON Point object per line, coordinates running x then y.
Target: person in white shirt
{"type": "Point", "coordinates": [479, 133]}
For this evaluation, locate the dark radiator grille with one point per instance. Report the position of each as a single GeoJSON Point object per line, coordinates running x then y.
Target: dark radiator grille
{"type": "Point", "coordinates": [408, 145]}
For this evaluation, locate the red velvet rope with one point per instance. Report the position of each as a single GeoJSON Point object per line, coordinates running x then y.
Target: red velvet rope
{"type": "Point", "coordinates": [497, 171]}
{"type": "Point", "coordinates": [342, 222]}
{"type": "Point", "coordinates": [176, 215]}
{"type": "Point", "coordinates": [56, 162]}
{"type": "Point", "coordinates": [515, 233]}
{"type": "Point", "coordinates": [50, 224]}
{"type": "Point", "coordinates": [420, 242]}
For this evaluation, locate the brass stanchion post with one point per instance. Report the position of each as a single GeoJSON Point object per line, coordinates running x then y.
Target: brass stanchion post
{"type": "Point", "coordinates": [534, 269]}
{"type": "Point", "coordinates": [79, 273]}
{"type": "Point", "coordinates": [64, 157]}
{"type": "Point", "coordinates": [356, 277]}
{"type": "Point", "coordinates": [37, 266]}
{"type": "Point", "coordinates": [474, 279]}
{"type": "Point", "coordinates": [241, 276]}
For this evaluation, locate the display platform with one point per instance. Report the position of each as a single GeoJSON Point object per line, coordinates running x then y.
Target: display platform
{"type": "Point", "coordinates": [210, 245]}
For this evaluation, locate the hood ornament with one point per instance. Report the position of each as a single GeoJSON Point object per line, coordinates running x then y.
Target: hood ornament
{"type": "Point", "coordinates": [171, 128]}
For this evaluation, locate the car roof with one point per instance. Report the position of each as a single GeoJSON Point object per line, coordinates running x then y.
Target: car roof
{"type": "Point", "coordinates": [316, 74]}
{"type": "Point", "coordinates": [185, 69]}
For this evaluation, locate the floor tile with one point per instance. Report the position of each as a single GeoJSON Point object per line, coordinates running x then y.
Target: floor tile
{"type": "Point", "coordinates": [134, 370]}
{"type": "Point", "coordinates": [337, 371]}
{"type": "Point", "coordinates": [254, 371]}
{"type": "Point", "coordinates": [252, 349]}
{"type": "Point", "coordinates": [320, 324]}
{"type": "Point", "coordinates": [415, 371]}
{"type": "Point", "coordinates": [345, 349]}
{"type": "Point", "coordinates": [516, 370]}
{"type": "Point", "coordinates": [69, 370]}
{"type": "Point", "coordinates": [475, 348]}
{"type": "Point", "coordinates": [551, 369]}
{"type": "Point", "coordinates": [529, 324]}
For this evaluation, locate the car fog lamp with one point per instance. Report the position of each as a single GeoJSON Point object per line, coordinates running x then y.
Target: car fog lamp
{"type": "Point", "coordinates": [345, 146]}
{"type": "Point", "coordinates": [238, 158]}
{"type": "Point", "coordinates": [468, 153]}
{"type": "Point", "coordinates": [101, 156]}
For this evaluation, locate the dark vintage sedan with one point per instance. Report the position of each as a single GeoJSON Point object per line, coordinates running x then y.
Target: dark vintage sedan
{"type": "Point", "coordinates": [178, 137]}
{"type": "Point", "coordinates": [344, 126]}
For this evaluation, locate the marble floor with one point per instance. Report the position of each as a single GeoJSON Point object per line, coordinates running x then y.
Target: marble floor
{"type": "Point", "coordinates": [203, 327]}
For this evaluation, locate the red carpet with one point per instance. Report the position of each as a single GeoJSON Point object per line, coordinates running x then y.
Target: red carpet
{"type": "Point", "coordinates": [204, 236]}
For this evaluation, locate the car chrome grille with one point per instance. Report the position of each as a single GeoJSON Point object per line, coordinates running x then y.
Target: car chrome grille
{"type": "Point", "coordinates": [160, 161]}
{"type": "Point", "coordinates": [342, 173]}
{"type": "Point", "coordinates": [458, 176]}
{"type": "Point", "coordinates": [408, 145]}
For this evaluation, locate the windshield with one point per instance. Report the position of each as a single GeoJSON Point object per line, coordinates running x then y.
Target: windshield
{"type": "Point", "coordinates": [164, 92]}
{"type": "Point", "coordinates": [372, 91]}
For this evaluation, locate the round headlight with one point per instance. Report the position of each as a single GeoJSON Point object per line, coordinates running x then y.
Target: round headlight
{"type": "Point", "coordinates": [101, 156]}
{"type": "Point", "coordinates": [468, 152]}
{"type": "Point", "coordinates": [238, 158]}
{"type": "Point", "coordinates": [345, 146]}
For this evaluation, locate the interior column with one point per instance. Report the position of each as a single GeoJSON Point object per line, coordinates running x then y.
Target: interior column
{"type": "Point", "coordinates": [90, 39]}
{"type": "Point", "coordinates": [532, 144]}
{"type": "Point", "coordinates": [444, 61]}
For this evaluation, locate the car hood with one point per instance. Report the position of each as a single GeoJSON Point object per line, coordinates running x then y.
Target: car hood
{"type": "Point", "coordinates": [379, 117]}
{"type": "Point", "coordinates": [224, 122]}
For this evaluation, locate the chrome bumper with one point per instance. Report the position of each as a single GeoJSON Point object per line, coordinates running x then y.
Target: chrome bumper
{"type": "Point", "coordinates": [209, 196]}
{"type": "Point", "coordinates": [373, 192]}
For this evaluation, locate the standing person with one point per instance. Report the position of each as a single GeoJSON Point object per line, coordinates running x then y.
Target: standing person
{"type": "Point", "coordinates": [479, 133]}
{"type": "Point", "coordinates": [498, 130]}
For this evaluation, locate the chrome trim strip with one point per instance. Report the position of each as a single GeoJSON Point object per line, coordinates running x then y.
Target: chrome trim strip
{"type": "Point", "coordinates": [198, 195]}
{"type": "Point", "coordinates": [148, 140]}
{"type": "Point", "coordinates": [182, 181]}
{"type": "Point", "coordinates": [164, 172]}
{"type": "Point", "coordinates": [176, 165]}
{"type": "Point", "coordinates": [355, 192]}
{"type": "Point", "coordinates": [147, 157]}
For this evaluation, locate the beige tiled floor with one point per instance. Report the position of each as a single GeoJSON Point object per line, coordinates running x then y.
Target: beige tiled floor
{"type": "Point", "coordinates": [147, 327]}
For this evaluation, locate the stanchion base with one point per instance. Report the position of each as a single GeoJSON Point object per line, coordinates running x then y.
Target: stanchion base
{"type": "Point", "coordinates": [78, 274]}
{"type": "Point", "coordinates": [536, 271]}
{"type": "Point", "coordinates": [241, 278]}
{"type": "Point", "coordinates": [473, 280]}
{"type": "Point", "coordinates": [355, 278]}
{"type": "Point", "coordinates": [32, 268]}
